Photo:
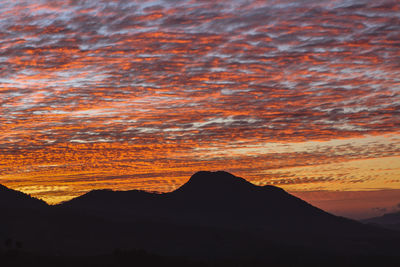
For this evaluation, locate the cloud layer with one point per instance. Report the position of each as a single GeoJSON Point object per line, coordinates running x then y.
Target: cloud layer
{"type": "Point", "coordinates": [125, 92]}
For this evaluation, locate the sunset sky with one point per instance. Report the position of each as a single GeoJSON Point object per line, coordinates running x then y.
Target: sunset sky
{"type": "Point", "coordinates": [302, 94]}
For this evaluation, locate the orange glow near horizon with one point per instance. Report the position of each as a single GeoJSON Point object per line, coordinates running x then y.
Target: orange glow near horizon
{"type": "Point", "coordinates": [142, 94]}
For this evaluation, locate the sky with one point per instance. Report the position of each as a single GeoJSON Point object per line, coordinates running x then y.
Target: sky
{"type": "Point", "coordinates": [302, 94]}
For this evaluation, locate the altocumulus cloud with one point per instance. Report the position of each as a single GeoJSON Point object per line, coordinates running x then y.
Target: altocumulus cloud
{"type": "Point", "coordinates": [134, 87]}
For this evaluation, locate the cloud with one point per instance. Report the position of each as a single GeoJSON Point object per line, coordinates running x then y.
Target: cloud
{"type": "Point", "coordinates": [379, 210]}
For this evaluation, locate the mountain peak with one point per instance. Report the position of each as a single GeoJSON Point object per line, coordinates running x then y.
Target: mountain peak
{"type": "Point", "coordinates": [217, 178]}
{"type": "Point", "coordinates": [213, 177]}
{"type": "Point", "coordinates": [221, 181]}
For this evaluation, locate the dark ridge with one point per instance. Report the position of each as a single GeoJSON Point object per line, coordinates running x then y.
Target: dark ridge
{"type": "Point", "coordinates": [202, 182]}
{"type": "Point", "coordinates": [220, 181]}
{"type": "Point", "coordinates": [388, 220]}
{"type": "Point", "coordinates": [10, 198]}
{"type": "Point", "coordinates": [209, 178]}
{"type": "Point", "coordinates": [217, 199]}
{"type": "Point", "coordinates": [275, 188]}
{"type": "Point", "coordinates": [106, 198]}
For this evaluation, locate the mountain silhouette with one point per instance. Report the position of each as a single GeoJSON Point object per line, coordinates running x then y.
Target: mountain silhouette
{"type": "Point", "coordinates": [224, 201]}
{"type": "Point", "coordinates": [213, 199]}
{"type": "Point", "coordinates": [12, 199]}
{"type": "Point", "coordinates": [388, 220]}
{"type": "Point", "coordinates": [214, 216]}
{"type": "Point", "coordinates": [20, 214]}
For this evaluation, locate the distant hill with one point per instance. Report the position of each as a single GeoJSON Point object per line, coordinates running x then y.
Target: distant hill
{"type": "Point", "coordinates": [214, 216]}
{"type": "Point", "coordinates": [20, 214]}
{"type": "Point", "coordinates": [15, 199]}
{"type": "Point", "coordinates": [389, 220]}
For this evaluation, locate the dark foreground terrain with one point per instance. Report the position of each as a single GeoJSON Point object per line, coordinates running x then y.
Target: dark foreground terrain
{"type": "Point", "coordinates": [215, 219]}
{"type": "Point", "coordinates": [143, 258]}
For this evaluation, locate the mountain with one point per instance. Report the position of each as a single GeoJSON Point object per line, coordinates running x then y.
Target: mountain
{"type": "Point", "coordinates": [12, 199]}
{"type": "Point", "coordinates": [217, 199]}
{"type": "Point", "coordinates": [20, 214]}
{"type": "Point", "coordinates": [220, 200]}
{"type": "Point", "coordinates": [215, 216]}
{"type": "Point", "coordinates": [388, 220]}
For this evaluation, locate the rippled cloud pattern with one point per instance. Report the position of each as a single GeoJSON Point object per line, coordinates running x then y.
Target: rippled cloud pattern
{"type": "Point", "coordinates": [140, 94]}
